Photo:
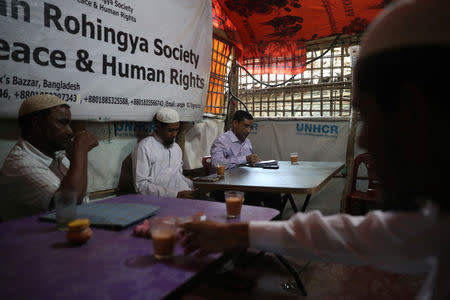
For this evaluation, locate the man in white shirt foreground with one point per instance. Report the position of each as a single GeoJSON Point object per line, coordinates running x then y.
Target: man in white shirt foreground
{"type": "Point", "coordinates": [36, 167]}
{"type": "Point", "coordinates": [158, 160]}
{"type": "Point", "coordinates": [403, 100]}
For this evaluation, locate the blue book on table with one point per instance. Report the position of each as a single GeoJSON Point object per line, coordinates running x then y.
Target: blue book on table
{"type": "Point", "coordinates": [111, 215]}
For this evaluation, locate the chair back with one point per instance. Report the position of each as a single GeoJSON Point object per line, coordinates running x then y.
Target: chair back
{"type": "Point", "coordinates": [360, 202]}
{"type": "Point", "coordinates": [367, 160]}
{"type": "Point", "coordinates": [126, 185]}
{"type": "Point", "coordinates": [206, 163]}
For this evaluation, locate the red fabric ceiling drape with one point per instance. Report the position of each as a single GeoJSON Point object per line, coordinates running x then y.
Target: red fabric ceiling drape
{"type": "Point", "coordinates": [271, 34]}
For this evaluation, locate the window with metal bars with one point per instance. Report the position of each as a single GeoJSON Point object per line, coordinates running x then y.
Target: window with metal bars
{"type": "Point", "coordinates": [215, 102]}
{"type": "Point", "coordinates": [322, 90]}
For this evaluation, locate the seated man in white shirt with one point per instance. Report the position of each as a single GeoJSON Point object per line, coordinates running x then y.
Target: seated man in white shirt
{"type": "Point", "coordinates": [405, 114]}
{"type": "Point", "coordinates": [36, 166]}
{"type": "Point", "coordinates": [158, 160]}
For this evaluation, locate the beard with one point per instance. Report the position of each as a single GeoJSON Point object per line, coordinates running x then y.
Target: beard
{"type": "Point", "coordinates": [168, 143]}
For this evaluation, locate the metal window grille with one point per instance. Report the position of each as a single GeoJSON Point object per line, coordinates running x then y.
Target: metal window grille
{"type": "Point", "coordinates": [215, 103]}
{"type": "Point", "coordinates": [322, 90]}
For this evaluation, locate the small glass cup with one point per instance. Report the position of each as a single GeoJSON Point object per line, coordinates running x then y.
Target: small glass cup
{"type": "Point", "coordinates": [65, 208]}
{"type": "Point", "coordinates": [233, 201]}
{"type": "Point", "coordinates": [220, 169]}
{"type": "Point", "coordinates": [164, 236]}
{"type": "Point", "coordinates": [294, 158]}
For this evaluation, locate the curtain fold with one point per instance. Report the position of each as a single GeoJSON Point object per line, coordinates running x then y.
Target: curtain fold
{"type": "Point", "coordinates": [271, 34]}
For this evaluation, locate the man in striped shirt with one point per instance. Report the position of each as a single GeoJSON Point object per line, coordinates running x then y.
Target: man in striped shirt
{"type": "Point", "coordinates": [37, 166]}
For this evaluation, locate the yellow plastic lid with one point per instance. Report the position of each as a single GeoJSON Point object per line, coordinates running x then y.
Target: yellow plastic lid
{"type": "Point", "coordinates": [78, 224]}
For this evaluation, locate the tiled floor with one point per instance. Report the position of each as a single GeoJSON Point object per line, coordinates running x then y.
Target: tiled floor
{"type": "Point", "coordinates": [266, 278]}
{"type": "Point", "coordinates": [327, 200]}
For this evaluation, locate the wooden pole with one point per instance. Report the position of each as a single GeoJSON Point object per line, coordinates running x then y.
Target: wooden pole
{"type": "Point", "coordinates": [181, 137]}
{"type": "Point", "coordinates": [350, 156]}
{"type": "Point", "coordinates": [233, 87]}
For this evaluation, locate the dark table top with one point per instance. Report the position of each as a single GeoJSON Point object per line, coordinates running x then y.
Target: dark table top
{"type": "Point", "coordinates": [38, 263]}
{"type": "Point", "coordinates": [304, 178]}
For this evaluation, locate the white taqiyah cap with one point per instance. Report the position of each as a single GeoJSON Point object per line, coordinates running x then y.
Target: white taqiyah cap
{"type": "Point", "coordinates": [39, 102]}
{"type": "Point", "coordinates": [167, 115]}
{"type": "Point", "coordinates": [408, 23]}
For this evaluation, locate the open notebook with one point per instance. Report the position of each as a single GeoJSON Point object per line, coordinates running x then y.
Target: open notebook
{"type": "Point", "coordinates": [110, 215]}
{"type": "Point", "coordinates": [265, 163]}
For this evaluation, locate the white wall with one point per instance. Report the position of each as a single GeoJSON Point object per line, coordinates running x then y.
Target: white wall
{"type": "Point", "coordinates": [199, 139]}
{"type": "Point", "coordinates": [105, 162]}
{"type": "Point", "coordinates": [9, 133]}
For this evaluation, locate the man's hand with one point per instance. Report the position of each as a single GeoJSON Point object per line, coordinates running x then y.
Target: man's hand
{"type": "Point", "coordinates": [76, 177]}
{"type": "Point", "coordinates": [84, 140]}
{"type": "Point", "coordinates": [186, 194]}
{"type": "Point", "coordinates": [252, 158]}
{"type": "Point", "coordinates": [204, 237]}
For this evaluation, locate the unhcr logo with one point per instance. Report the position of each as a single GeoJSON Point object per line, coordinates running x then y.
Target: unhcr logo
{"type": "Point", "coordinates": [314, 129]}
{"type": "Point", "coordinates": [254, 128]}
{"type": "Point", "coordinates": [133, 129]}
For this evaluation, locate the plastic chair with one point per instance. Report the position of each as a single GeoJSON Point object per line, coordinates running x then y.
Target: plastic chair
{"type": "Point", "coordinates": [360, 202]}
{"type": "Point", "coordinates": [206, 163]}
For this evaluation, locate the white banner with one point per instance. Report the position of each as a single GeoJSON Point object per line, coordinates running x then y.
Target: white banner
{"type": "Point", "coordinates": [108, 59]}
{"type": "Point", "coordinates": [313, 140]}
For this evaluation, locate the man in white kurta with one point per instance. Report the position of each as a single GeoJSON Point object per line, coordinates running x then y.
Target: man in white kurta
{"type": "Point", "coordinates": [158, 160]}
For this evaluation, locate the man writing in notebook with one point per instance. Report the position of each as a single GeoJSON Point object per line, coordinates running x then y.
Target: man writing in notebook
{"type": "Point", "coordinates": [233, 148]}
{"type": "Point", "coordinates": [158, 160]}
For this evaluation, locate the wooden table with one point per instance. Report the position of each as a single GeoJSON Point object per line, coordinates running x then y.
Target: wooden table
{"type": "Point", "coordinates": [38, 263]}
{"type": "Point", "coordinates": [304, 178]}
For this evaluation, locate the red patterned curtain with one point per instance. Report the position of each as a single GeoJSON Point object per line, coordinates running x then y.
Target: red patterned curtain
{"type": "Point", "coordinates": [271, 34]}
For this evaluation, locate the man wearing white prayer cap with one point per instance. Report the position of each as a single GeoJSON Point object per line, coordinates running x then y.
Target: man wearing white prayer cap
{"type": "Point", "coordinates": [158, 160]}
{"type": "Point", "coordinates": [37, 167]}
{"type": "Point", "coordinates": [401, 91]}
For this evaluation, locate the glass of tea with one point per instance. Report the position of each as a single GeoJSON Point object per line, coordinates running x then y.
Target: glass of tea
{"type": "Point", "coordinates": [294, 158]}
{"type": "Point", "coordinates": [164, 236]}
{"type": "Point", "coordinates": [233, 201]}
{"type": "Point", "coordinates": [220, 169]}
